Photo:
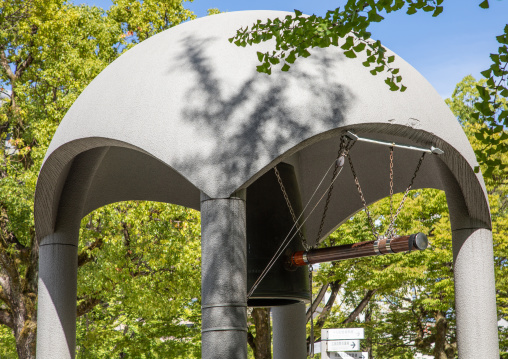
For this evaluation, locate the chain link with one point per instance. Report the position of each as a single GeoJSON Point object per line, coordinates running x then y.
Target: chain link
{"type": "Point", "coordinates": [392, 223]}
{"type": "Point", "coordinates": [391, 188]}
{"type": "Point", "coordinates": [365, 208]}
{"type": "Point", "coordinates": [343, 150]}
{"type": "Point", "coordinates": [288, 202]}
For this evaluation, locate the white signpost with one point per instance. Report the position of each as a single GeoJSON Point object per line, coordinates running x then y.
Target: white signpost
{"type": "Point", "coordinates": [341, 343]}
{"type": "Point", "coordinates": [343, 333]}
{"type": "Point", "coordinates": [349, 355]}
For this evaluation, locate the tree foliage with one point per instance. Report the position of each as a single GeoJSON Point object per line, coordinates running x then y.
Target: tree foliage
{"type": "Point", "coordinates": [296, 34]}
{"type": "Point", "coordinates": [49, 51]}
{"type": "Point", "coordinates": [144, 275]}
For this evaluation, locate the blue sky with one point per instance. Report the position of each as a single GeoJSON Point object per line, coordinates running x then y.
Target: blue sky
{"type": "Point", "coordinates": [444, 49]}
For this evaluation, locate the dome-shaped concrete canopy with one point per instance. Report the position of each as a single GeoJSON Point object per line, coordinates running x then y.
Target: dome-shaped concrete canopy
{"type": "Point", "coordinates": [185, 111]}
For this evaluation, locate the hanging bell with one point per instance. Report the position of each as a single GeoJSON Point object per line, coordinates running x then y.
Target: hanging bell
{"type": "Point", "coordinates": [268, 223]}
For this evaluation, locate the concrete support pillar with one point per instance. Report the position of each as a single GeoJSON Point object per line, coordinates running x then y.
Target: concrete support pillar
{"type": "Point", "coordinates": [473, 272]}
{"type": "Point", "coordinates": [475, 296]}
{"type": "Point", "coordinates": [58, 263]}
{"type": "Point", "coordinates": [56, 308]}
{"type": "Point", "coordinates": [224, 277]}
{"type": "Point", "coordinates": [289, 335]}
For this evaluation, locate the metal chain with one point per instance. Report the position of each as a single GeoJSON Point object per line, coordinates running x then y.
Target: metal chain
{"type": "Point", "coordinates": [390, 228]}
{"type": "Point", "coordinates": [288, 202]}
{"type": "Point", "coordinates": [391, 189]}
{"type": "Point", "coordinates": [343, 150]}
{"type": "Point", "coordinates": [357, 182]}
{"type": "Point", "coordinates": [311, 345]}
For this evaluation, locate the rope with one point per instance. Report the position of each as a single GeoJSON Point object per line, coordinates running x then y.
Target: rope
{"type": "Point", "coordinates": [311, 346]}
{"type": "Point", "coordinates": [287, 240]}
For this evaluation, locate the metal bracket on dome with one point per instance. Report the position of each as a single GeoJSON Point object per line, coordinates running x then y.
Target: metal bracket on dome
{"type": "Point", "coordinates": [432, 149]}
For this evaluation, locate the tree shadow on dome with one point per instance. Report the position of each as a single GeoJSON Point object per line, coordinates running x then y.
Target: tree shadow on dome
{"type": "Point", "coordinates": [251, 118]}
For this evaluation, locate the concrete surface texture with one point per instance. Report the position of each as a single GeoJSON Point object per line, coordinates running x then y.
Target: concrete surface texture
{"type": "Point", "coordinates": [185, 112]}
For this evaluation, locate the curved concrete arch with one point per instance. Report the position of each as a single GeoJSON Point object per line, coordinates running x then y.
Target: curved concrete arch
{"type": "Point", "coordinates": [124, 172]}
{"type": "Point", "coordinates": [185, 113]}
{"type": "Point", "coordinates": [191, 99]}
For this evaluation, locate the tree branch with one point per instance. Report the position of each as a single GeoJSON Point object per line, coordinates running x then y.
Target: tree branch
{"type": "Point", "coordinates": [86, 305]}
{"type": "Point", "coordinates": [3, 295]}
{"type": "Point", "coordinates": [5, 64]}
{"type": "Point", "coordinates": [23, 66]}
{"type": "Point", "coordinates": [334, 286]}
{"type": "Point", "coordinates": [360, 307]}
{"type": "Point", "coordinates": [6, 318]}
{"type": "Point", "coordinates": [316, 301]}
{"type": "Point", "coordinates": [85, 256]}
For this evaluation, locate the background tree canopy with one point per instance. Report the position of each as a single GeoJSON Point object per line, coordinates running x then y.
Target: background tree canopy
{"type": "Point", "coordinates": [139, 262]}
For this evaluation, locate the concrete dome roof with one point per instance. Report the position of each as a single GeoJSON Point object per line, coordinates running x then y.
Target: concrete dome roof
{"type": "Point", "coordinates": [185, 111]}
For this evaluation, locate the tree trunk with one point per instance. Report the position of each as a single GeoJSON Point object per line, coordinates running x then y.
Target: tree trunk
{"type": "Point", "coordinates": [368, 340]}
{"type": "Point", "coordinates": [261, 344]}
{"type": "Point", "coordinates": [25, 341]}
{"type": "Point", "coordinates": [360, 307]}
{"type": "Point", "coordinates": [441, 329]}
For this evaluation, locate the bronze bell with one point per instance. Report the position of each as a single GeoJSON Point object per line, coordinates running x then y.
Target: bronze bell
{"type": "Point", "coordinates": [268, 223]}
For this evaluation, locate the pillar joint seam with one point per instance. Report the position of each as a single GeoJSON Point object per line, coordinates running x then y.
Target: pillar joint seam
{"type": "Point", "coordinates": [237, 305]}
{"type": "Point", "coordinates": [224, 329]}
{"type": "Point", "coordinates": [470, 229]}
{"type": "Point", "coordinates": [226, 198]}
{"type": "Point", "coordinates": [61, 244]}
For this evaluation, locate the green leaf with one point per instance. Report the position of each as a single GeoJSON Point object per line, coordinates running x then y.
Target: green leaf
{"type": "Point", "coordinates": [482, 91]}
{"type": "Point", "coordinates": [486, 73]}
{"type": "Point", "coordinates": [286, 67]}
{"type": "Point", "coordinates": [391, 59]}
{"type": "Point", "coordinates": [439, 10]}
{"type": "Point", "coordinates": [349, 43]}
{"type": "Point", "coordinates": [291, 58]}
{"type": "Point", "coordinates": [273, 60]}
{"type": "Point", "coordinates": [359, 47]}
{"type": "Point", "coordinates": [484, 4]}
{"type": "Point", "coordinates": [374, 16]}
{"type": "Point", "coordinates": [261, 56]}
{"type": "Point", "coordinates": [403, 88]}
{"type": "Point", "coordinates": [298, 13]}
{"type": "Point", "coordinates": [305, 53]}
{"type": "Point", "coordinates": [350, 54]}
